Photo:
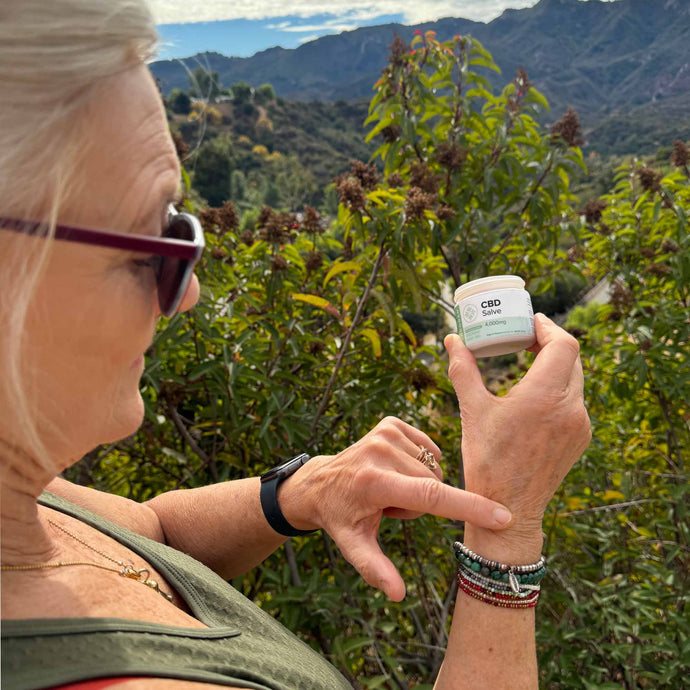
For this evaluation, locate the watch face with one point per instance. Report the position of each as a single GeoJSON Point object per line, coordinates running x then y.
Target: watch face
{"type": "Point", "coordinates": [286, 469]}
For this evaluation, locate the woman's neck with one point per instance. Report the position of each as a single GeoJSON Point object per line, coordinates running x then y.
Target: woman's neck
{"type": "Point", "coordinates": [25, 539]}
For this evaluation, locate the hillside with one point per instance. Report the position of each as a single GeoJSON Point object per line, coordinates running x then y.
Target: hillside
{"type": "Point", "coordinates": [603, 58]}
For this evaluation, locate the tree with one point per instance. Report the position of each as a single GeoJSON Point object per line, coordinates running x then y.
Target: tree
{"type": "Point", "coordinates": [264, 94]}
{"type": "Point", "coordinates": [204, 84]}
{"type": "Point", "coordinates": [300, 342]}
{"type": "Point", "coordinates": [180, 102]}
{"type": "Point", "coordinates": [622, 521]}
{"type": "Point", "coordinates": [212, 167]}
{"type": "Point", "coordinates": [242, 93]}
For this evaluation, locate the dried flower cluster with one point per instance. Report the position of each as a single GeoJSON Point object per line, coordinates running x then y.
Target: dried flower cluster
{"type": "Point", "coordinates": [311, 221]}
{"type": "Point", "coordinates": [350, 192]}
{"type": "Point", "coordinates": [650, 179]}
{"type": "Point", "coordinates": [592, 210]}
{"type": "Point", "coordinates": [247, 237]}
{"type": "Point", "coordinates": [451, 156]}
{"type": "Point", "coordinates": [208, 217]}
{"type": "Point", "coordinates": [417, 201]}
{"type": "Point", "coordinates": [228, 220]}
{"type": "Point", "coordinates": [395, 180]}
{"type": "Point", "coordinates": [621, 300]}
{"type": "Point", "coordinates": [390, 133]}
{"type": "Point", "coordinates": [567, 129]}
{"type": "Point", "coordinates": [181, 145]}
{"type": "Point", "coordinates": [669, 246]}
{"type": "Point", "coordinates": [351, 186]}
{"type": "Point", "coordinates": [275, 227]}
{"type": "Point", "coordinates": [522, 82]}
{"type": "Point", "coordinates": [278, 263]}
{"type": "Point", "coordinates": [422, 177]}
{"type": "Point", "coordinates": [313, 261]}
{"type": "Point", "coordinates": [658, 269]}
{"type": "Point", "coordinates": [219, 220]}
{"type": "Point", "coordinates": [398, 50]}
{"type": "Point", "coordinates": [681, 154]}
{"type": "Point", "coordinates": [367, 174]}
{"type": "Point", "coordinates": [316, 346]}
{"type": "Point", "coordinates": [444, 212]}
{"type": "Point", "coordinates": [420, 378]}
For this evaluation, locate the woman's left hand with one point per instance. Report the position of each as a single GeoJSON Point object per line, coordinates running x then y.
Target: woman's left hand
{"type": "Point", "coordinates": [347, 495]}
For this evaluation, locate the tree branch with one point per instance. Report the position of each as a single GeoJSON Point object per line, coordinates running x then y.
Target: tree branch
{"type": "Point", "coordinates": [346, 341]}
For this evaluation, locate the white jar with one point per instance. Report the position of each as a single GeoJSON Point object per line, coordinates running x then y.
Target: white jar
{"type": "Point", "coordinates": [495, 316]}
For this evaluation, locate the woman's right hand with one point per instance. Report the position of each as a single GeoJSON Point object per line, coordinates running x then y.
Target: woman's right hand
{"type": "Point", "coordinates": [349, 493]}
{"type": "Point", "coordinates": [517, 449]}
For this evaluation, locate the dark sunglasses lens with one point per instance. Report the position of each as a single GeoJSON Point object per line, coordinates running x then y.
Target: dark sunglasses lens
{"type": "Point", "coordinates": [174, 274]}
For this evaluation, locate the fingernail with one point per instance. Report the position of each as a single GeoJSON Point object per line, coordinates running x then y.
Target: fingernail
{"type": "Point", "coordinates": [502, 516]}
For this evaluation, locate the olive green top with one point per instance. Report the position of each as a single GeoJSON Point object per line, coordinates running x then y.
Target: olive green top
{"type": "Point", "coordinates": [243, 646]}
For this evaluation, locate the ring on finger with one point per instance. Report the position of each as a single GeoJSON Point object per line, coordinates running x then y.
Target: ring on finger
{"type": "Point", "coordinates": [427, 458]}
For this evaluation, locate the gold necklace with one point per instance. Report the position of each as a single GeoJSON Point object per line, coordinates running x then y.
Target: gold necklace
{"type": "Point", "coordinates": [125, 570]}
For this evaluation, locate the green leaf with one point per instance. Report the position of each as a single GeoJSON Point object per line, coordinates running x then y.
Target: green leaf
{"type": "Point", "coordinates": [341, 267]}
{"type": "Point", "coordinates": [314, 300]}
{"type": "Point", "coordinates": [373, 337]}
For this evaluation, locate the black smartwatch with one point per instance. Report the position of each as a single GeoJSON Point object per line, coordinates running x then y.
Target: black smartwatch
{"type": "Point", "coordinates": [270, 481]}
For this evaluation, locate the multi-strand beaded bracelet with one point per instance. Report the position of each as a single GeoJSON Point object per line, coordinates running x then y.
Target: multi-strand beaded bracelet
{"type": "Point", "coordinates": [507, 586]}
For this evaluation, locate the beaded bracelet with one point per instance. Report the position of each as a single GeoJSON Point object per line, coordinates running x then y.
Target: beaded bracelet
{"type": "Point", "coordinates": [515, 575]}
{"type": "Point", "coordinates": [502, 601]}
{"type": "Point", "coordinates": [496, 587]}
{"type": "Point", "coordinates": [508, 586]}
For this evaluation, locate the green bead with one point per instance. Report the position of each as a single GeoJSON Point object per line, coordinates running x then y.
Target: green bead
{"type": "Point", "coordinates": [495, 574]}
{"type": "Point", "coordinates": [505, 577]}
{"type": "Point", "coordinates": [468, 562]}
{"type": "Point", "coordinates": [485, 571]}
{"type": "Point", "coordinates": [476, 566]}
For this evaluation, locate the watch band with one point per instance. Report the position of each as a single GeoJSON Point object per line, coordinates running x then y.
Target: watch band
{"type": "Point", "coordinates": [270, 482]}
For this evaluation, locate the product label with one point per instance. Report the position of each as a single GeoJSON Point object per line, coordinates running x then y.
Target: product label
{"type": "Point", "coordinates": [494, 314]}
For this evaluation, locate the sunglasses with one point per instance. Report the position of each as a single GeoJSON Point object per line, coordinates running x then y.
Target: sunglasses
{"type": "Point", "coordinates": [175, 254]}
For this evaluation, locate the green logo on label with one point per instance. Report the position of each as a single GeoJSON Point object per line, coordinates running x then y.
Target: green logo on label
{"type": "Point", "coordinates": [469, 313]}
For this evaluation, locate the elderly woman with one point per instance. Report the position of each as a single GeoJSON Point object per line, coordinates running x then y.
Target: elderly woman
{"type": "Point", "coordinates": [91, 255]}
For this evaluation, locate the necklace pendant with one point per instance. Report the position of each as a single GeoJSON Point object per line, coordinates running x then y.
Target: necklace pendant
{"type": "Point", "coordinates": [154, 585]}
{"type": "Point", "coordinates": [130, 572]}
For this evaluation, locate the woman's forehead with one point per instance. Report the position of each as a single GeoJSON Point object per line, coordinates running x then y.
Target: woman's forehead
{"type": "Point", "coordinates": [131, 162]}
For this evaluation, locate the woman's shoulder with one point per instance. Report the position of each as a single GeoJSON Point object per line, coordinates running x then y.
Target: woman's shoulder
{"type": "Point", "coordinates": [136, 517]}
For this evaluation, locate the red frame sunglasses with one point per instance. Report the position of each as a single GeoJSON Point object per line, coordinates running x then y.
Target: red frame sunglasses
{"type": "Point", "coordinates": [175, 254]}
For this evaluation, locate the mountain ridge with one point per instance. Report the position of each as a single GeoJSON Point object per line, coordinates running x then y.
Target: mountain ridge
{"type": "Point", "coordinates": [603, 58]}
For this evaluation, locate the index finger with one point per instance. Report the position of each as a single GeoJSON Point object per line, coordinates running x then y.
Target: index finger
{"type": "Point", "coordinates": [427, 495]}
{"type": "Point", "coordinates": [557, 352]}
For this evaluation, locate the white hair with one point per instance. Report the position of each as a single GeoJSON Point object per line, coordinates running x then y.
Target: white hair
{"type": "Point", "coordinates": [53, 54]}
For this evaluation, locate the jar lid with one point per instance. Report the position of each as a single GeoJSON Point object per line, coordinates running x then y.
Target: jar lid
{"type": "Point", "coordinates": [489, 283]}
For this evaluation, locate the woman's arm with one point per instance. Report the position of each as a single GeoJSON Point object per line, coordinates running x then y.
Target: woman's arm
{"type": "Point", "coordinates": [516, 449]}
{"type": "Point", "coordinates": [346, 494]}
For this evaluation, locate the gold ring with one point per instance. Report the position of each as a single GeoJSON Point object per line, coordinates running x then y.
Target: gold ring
{"type": "Point", "coordinates": [427, 458]}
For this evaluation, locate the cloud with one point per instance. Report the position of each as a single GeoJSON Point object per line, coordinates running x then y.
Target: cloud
{"type": "Point", "coordinates": [414, 11]}
{"type": "Point", "coordinates": [306, 39]}
{"type": "Point", "coordinates": [326, 26]}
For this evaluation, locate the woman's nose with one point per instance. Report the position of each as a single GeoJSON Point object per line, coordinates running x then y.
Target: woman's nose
{"type": "Point", "coordinates": [191, 297]}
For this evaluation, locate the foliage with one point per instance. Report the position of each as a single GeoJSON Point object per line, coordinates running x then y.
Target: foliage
{"type": "Point", "coordinates": [180, 102]}
{"type": "Point", "coordinates": [204, 84]}
{"type": "Point", "coordinates": [622, 603]}
{"type": "Point", "coordinates": [299, 342]}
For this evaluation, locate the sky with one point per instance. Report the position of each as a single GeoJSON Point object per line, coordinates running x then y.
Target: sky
{"type": "Point", "coordinates": [244, 28]}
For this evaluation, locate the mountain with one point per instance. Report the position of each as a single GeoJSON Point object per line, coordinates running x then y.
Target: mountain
{"type": "Point", "coordinates": [603, 58]}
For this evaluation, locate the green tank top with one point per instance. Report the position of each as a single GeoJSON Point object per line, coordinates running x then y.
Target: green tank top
{"type": "Point", "coordinates": [243, 646]}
